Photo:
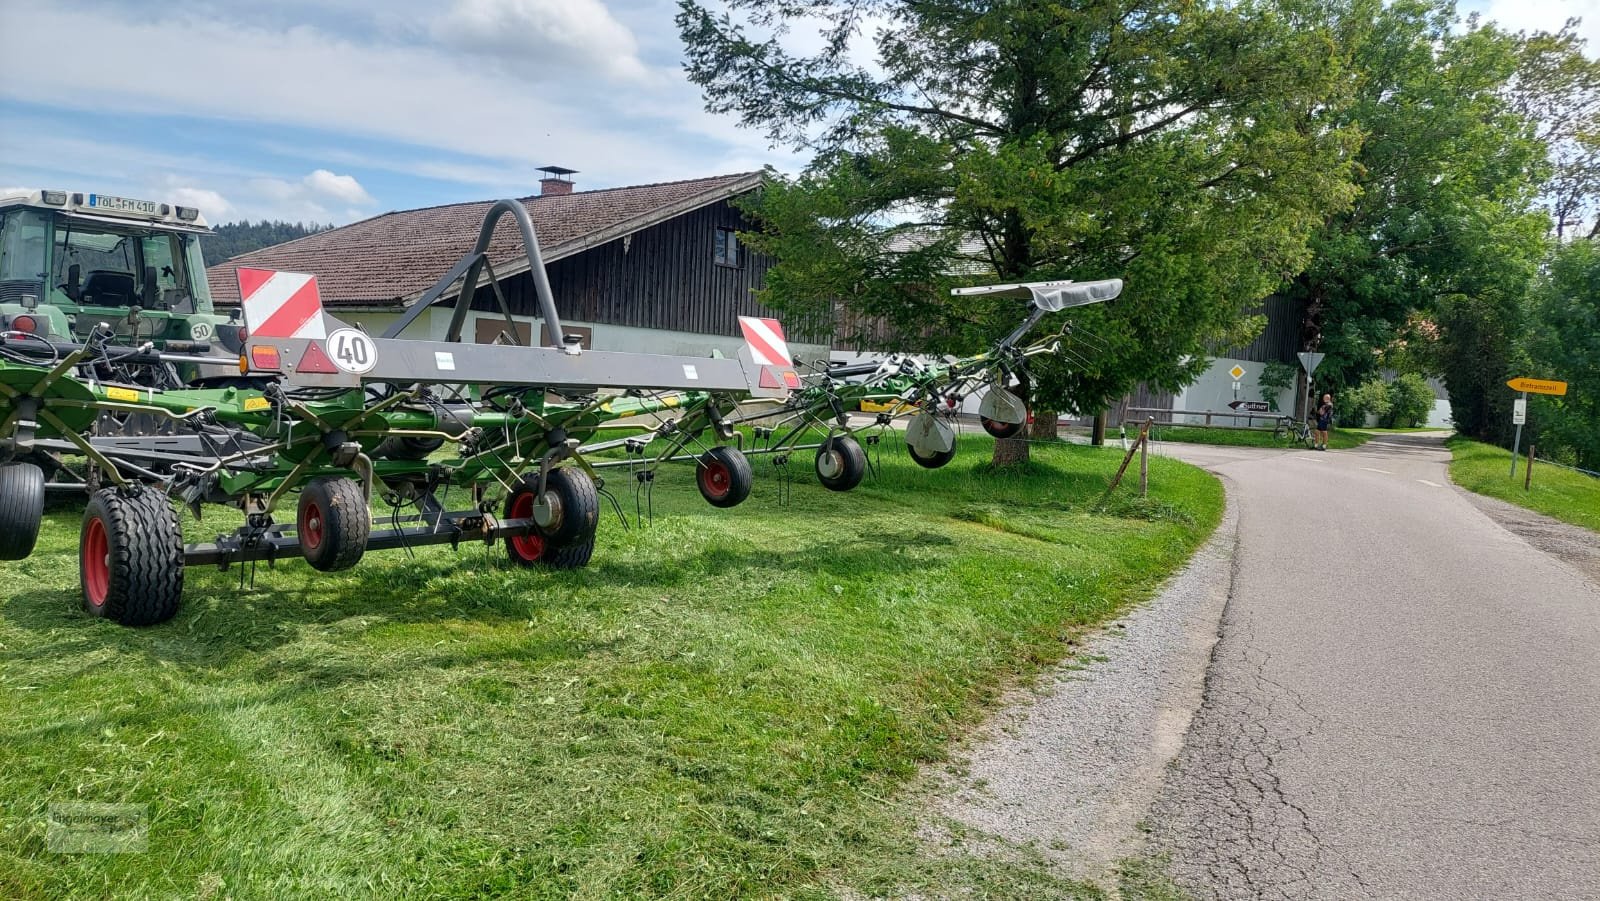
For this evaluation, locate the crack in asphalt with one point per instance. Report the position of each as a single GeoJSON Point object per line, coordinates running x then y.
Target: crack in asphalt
{"type": "Point", "coordinates": [1224, 817]}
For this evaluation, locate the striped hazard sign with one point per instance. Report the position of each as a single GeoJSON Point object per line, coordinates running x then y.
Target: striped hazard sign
{"type": "Point", "coordinates": [280, 304]}
{"type": "Point", "coordinates": [764, 337]}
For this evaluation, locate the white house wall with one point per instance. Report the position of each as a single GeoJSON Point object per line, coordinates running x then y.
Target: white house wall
{"type": "Point", "coordinates": [1213, 391]}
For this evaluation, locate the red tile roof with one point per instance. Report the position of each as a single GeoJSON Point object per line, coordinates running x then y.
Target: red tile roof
{"type": "Point", "coordinates": [396, 256]}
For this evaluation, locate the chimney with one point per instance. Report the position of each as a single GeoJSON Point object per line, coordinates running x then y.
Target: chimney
{"type": "Point", "coordinates": [557, 180]}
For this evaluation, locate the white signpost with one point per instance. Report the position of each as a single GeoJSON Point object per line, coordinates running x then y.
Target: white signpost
{"type": "Point", "coordinates": [1309, 362]}
{"type": "Point", "coordinates": [1519, 411]}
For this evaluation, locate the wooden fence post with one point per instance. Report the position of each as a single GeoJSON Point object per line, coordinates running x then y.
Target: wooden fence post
{"type": "Point", "coordinates": [1527, 477]}
{"type": "Point", "coordinates": [1144, 459]}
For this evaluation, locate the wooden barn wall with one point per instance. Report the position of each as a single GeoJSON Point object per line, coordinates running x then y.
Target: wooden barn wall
{"type": "Point", "coordinates": [1280, 340]}
{"type": "Point", "coordinates": [666, 278]}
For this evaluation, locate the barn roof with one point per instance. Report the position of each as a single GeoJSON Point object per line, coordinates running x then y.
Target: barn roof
{"type": "Point", "coordinates": [394, 257]}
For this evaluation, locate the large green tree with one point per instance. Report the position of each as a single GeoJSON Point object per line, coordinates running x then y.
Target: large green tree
{"type": "Point", "coordinates": [1445, 230]}
{"type": "Point", "coordinates": [1564, 343]}
{"type": "Point", "coordinates": [1179, 145]}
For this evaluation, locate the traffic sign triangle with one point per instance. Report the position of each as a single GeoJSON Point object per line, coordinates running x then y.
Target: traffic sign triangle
{"type": "Point", "coordinates": [315, 359]}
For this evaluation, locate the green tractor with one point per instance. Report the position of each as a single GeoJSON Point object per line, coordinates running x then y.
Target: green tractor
{"type": "Point", "coordinates": [76, 267]}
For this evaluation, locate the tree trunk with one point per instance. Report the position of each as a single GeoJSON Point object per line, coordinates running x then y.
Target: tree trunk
{"type": "Point", "coordinates": [1014, 451]}
{"type": "Point", "coordinates": [1098, 436]}
{"type": "Point", "coordinates": [1046, 425]}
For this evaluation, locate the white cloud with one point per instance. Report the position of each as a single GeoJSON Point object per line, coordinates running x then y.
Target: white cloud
{"type": "Point", "coordinates": [416, 93]}
{"type": "Point", "coordinates": [1545, 15]}
{"type": "Point", "coordinates": [211, 204]}
{"type": "Point", "coordinates": [544, 37]}
{"type": "Point", "coordinates": [338, 187]}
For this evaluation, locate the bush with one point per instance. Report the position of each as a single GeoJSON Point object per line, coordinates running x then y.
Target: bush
{"type": "Point", "coordinates": [1274, 380]}
{"type": "Point", "coordinates": [1372, 397]}
{"type": "Point", "coordinates": [1410, 402]}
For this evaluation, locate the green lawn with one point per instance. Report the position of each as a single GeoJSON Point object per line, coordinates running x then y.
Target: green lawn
{"type": "Point", "coordinates": [1338, 439]}
{"type": "Point", "coordinates": [1566, 495]}
{"type": "Point", "coordinates": [725, 704]}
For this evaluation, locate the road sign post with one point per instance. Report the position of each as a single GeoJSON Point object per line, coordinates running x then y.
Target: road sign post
{"type": "Point", "coordinates": [1519, 415]}
{"type": "Point", "coordinates": [1309, 362]}
{"type": "Point", "coordinates": [1519, 410]}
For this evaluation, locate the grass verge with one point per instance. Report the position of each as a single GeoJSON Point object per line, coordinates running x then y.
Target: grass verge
{"type": "Point", "coordinates": [723, 705]}
{"type": "Point", "coordinates": [1338, 439]}
{"type": "Point", "coordinates": [1568, 496]}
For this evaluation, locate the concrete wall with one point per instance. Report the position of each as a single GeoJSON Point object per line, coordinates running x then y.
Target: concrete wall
{"type": "Point", "coordinates": [1213, 391]}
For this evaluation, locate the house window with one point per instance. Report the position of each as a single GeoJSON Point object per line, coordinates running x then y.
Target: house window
{"type": "Point", "coordinates": [727, 248]}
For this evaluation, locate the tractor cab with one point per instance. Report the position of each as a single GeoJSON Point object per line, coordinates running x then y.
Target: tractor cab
{"type": "Point", "coordinates": [70, 263]}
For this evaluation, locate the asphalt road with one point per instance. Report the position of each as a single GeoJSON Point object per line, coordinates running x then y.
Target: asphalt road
{"type": "Point", "coordinates": [1404, 701]}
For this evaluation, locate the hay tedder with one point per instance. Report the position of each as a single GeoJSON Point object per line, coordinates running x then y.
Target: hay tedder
{"type": "Point", "coordinates": [459, 442]}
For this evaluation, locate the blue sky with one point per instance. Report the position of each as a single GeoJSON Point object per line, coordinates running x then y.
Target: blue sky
{"type": "Point", "coordinates": [334, 110]}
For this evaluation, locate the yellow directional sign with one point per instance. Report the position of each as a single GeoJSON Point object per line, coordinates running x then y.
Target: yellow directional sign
{"type": "Point", "coordinates": [1538, 386]}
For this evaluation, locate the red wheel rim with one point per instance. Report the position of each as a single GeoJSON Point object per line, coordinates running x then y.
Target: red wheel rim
{"type": "Point", "coordinates": [715, 479]}
{"type": "Point", "coordinates": [96, 565]}
{"type": "Point", "coordinates": [531, 545]}
{"type": "Point", "coordinates": [311, 525]}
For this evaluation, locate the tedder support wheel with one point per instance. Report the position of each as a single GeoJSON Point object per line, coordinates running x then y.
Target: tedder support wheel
{"type": "Point", "coordinates": [932, 461]}
{"type": "Point", "coordinates": [999, 429]}
{"type": "Point", "coordinates": [841, 463]}
{"type": "Point", "coordinates": [21, 509]}
{"type": "Point", "coordinates": [130, 557]}
{"type": "Point", "coordinates": [333, 523]}
{"type": "Point", "coordinates": [724, 476]}
{"type": "Point", "coordinates": [566, 516]}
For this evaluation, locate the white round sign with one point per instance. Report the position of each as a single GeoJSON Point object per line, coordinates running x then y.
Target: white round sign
{"type": "Point", "coordinates": [352, 350]}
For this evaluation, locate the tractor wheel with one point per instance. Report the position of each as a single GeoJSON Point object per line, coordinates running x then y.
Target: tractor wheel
{"type": "Point", "coordinates": [406, 448]}
{"type": "Point", "coordinates": [333, 523]}
{"type": "Point", "coordinates": [998, 429]}
{"type": "Point", "coordinates": [724, 476]}
{"type": "Point", "coordinates": [21, 509]}
{"type": "Point", "coordinates": [841, 463]}
{"type": "Point", "coordinates": [932, 461]}
{"type": "Point", "coordinates": [570, 510]}
{"type": "Point", "coordinates": [130, 557]}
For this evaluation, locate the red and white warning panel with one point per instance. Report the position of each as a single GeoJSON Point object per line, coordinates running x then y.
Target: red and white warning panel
{"type": "Point", "coordinates": [770, 351]}
{"type": "Point", "coordinates": [765, 339]}
{"type": "Point", "coordinates": [280, 304]}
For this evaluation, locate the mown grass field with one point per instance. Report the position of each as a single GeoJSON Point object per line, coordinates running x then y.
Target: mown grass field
{"type": "Point", "coordinates": [1566, 495]}
{"type": "Point", "coordinates": [725, 704]}
{"type": "Point", "coordinates": [1338, 439]}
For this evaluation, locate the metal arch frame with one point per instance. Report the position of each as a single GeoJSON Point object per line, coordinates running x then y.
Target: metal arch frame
{"type": "Point", "coordinates": [468, 269]}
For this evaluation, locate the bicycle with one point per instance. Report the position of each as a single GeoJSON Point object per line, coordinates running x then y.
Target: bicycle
{"type": "Point", "coordinates": [1293, 431]}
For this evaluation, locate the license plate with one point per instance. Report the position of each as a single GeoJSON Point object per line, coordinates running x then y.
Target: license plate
{"type": "Point", "coordinates": [121, 204]}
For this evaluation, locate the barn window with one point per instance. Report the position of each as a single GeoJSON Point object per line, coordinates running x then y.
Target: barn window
{"type": "Point", "coordinates": [727, 248]}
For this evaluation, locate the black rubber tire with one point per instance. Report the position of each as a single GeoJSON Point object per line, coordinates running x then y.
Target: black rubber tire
{"type": "Point", "coordinates": [333, 523]}
{"type": "Point", "coordinates": [130, 557]}
{"type": "Point", "coordinates": [21, 509]}
{"type": "Point", "coordinates": [406, 448]}
{"type": "Point", "coordinates": [932, 462]}
{"type": "Point", "coordinates": [573, 556]}
{"type": "Point", "coordinates": [723, 476]}
{"type": "Point", "coordinates": [567, 542]}
{"type": "Point", "coordinates": [851, 463]}
{"type": "Point", "coordinates": [998, 429]}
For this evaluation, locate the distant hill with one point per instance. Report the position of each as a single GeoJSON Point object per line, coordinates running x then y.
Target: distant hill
{"type": "Point", "coordinates": [233, 238]}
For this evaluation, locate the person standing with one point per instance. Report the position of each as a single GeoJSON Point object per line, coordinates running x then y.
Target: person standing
{"type": "Point", "coordinates": [1319, 439]}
